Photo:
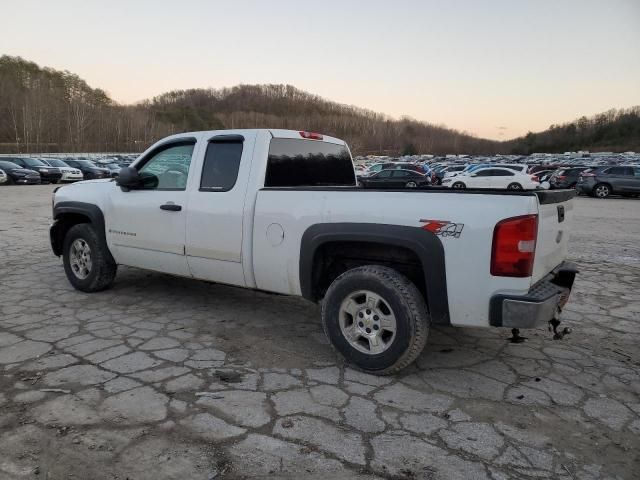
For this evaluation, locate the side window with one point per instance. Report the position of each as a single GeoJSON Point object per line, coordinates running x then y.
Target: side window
{"type": "Point", "coordinates": [384, 174]}
{"type": "Point", "coordinates": [483, 173]}
{"type": "Point", "coordinates": [221, 164]}
{"type": "Point", "coordinates": [636, 171]}
{"type": "Point", "coordinates": [168, 167]}
{"type": "Point", "coordinates": [503, 173]}
{"type": "Point", "coordinates": [401, 173]}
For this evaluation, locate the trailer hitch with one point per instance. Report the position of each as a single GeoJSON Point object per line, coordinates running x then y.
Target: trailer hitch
{"type": "Point", "coordinates": [554, 323]}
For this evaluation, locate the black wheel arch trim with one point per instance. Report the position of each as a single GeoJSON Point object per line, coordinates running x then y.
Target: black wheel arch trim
{"type": "Point", "coordinates": [89, 210]}
{"type": "Point", "coordinates": [426, 245]}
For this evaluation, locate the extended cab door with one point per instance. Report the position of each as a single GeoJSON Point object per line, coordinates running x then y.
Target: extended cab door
{"type": "Point", "coordinates": [146, 227]}
{"type": "Point", "coordinates": [216, 207]}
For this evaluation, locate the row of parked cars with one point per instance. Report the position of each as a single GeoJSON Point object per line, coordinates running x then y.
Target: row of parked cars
{"type": "Point", "coordinates": [31, 170]}
{"type": "Point", "coordinates": [599, 181]}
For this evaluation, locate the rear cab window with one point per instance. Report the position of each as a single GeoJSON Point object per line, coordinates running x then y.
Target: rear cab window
{"type": "Point", "coordinates": [308, 163]}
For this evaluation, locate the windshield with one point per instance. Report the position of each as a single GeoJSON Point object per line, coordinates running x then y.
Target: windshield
{"type": "Point", "coordinates": [86, 163]}
{"type": "Point", "coordinates": [8, 165]}
{"type": "Point", "coordinates": [32, 162]}
{"type": "Point", "coordinates": [54, 162]}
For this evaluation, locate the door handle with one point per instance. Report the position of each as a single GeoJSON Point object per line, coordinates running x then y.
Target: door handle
{"type": "Point", "coordinates": [172, 207]}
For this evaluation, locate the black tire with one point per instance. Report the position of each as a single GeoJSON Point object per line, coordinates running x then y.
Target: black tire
{"type": "Point", "coordinates": [10, 181]}
{"type": "Point", "coordinates": [54, 181]}
{"type": "Point", "coordinates": [459, 185]}
{"type": "Point", "coordinates": [404, 300]}
{"type": "Point", "coordinates": [601, 190]}
{"type": "Point", "coordinates": [411, 185]}
{"type": "Point", "coordinates": [103, 268]}
{"type": "Point", "coordinates": [514, 186]}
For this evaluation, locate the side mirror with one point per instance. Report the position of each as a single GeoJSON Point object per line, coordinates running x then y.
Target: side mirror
{"type": "Point", "coordinates": [128, 179]}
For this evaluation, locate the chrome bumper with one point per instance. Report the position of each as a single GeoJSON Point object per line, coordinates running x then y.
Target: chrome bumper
{"type": "Point", "coordinates": [542, 303]}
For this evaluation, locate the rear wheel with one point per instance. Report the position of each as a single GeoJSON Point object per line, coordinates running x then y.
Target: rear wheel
{"type": "Point", "coordinates": [514, 186]}
{"type": "Point", "coordinates": [459, 186]}
{"type": "Point", "coordinates": [376, 319]}
{"type": "Point", "coordinates": [601, 190]}
{"type": "Point", "coordinates": [87, 262]}
{"type": "Point", "coordinates": [411, 185]}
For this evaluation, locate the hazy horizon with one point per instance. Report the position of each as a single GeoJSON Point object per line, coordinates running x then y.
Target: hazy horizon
{"type": "Point", "coordinates": [495, 69]}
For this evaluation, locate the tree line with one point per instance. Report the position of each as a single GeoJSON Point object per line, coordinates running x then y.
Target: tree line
{"type": "Point", "coordinates": [42, 109]}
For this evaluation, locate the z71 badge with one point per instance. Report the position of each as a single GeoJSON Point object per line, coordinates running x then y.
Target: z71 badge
{"type": "Point", "coordinates": [443, 228]}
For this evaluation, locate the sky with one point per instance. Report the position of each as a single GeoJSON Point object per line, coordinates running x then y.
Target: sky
{"type": "Point", "coordinates": [493, 68]}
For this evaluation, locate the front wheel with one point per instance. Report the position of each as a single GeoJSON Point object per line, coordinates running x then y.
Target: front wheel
{"type": "Point", "coordinates": [87, 262]}
{"type": "Point", "coordinates": [514, 186]}
{"type": "Point", "coordinates": [411, 185]}
{"type": "Point", "coordinates": [376, 319]}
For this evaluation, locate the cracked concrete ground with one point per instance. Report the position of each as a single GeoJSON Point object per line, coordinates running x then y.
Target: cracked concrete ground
{"type": "Point", "coordinates": [169, 378]}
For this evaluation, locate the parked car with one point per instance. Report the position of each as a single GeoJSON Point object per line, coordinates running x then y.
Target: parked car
{"type": "Point", "coordinates": [395, 179]}
{"type": "Point", "coordinates": [3, 177]}
{"type": "Point", "coordinates": [278, 210]}
{"type": "Point", "coordinates": [566, 177]}
{"type": "Point", "coordinates": [113, 168]}
{"type": "Point", "coordinates": [69, 174]}
{"type": "Point", "coordinates": [90, 170]}
{"type": "Point", "coordinates": [450, 171]}
{"type": "Point", "coordinates": [601, 182]}
{"type": "Point", "coordinates": [18, 175]}
{"type": "Point", "coordinates": [48, 174]}
{"type": "Point", "coordinates": [493, 177]}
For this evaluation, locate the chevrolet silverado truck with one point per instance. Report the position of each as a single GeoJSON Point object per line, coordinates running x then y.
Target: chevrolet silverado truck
{"type": "Point", "coordinates": [280, 211]}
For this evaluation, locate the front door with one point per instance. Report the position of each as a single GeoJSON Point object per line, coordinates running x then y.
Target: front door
{"type": "Point", "coordinates": [146, 227]}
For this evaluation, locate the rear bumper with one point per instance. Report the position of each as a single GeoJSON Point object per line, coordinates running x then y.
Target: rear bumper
{"type": "Point", "coordinates": [543, 302]}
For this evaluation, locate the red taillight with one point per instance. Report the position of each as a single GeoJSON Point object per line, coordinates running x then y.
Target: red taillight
{"type": "Point", "coordinates": [561, 177]}
{"type": "Point", "coordinates": [534, 178]}
{"type": "Point", "coordinates": [311, 135]}
{"type": "Point", "coordinates": [514, 246]}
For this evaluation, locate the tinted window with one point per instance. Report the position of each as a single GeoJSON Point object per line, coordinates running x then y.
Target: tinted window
{"type": "Point", "coordinates": [221, 165]}
{"type": "Point", "coordinates": [501, 173]}
{"type": "Point", "coordinates": [636, 171]}
{"type": "Point", "coordinates": [384, 174]}
{"type": "Point", "coordinates": [483, 173]}
{"type": "Point", "coordinates": [32, 162]}
{"type": "Point", "coordinates": [308, 163]}
{"type": "Point", "coordinates": [167, 168]}
{"type": "Point", "coordinates": [401, 173]}
{"type": "Point", "coordinates": [620, 171]}
{"type": "Point", "coordinates": [8, 165]}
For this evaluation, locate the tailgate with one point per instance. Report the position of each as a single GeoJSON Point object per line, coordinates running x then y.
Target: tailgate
{"type": "Point", "coordinates": [555, 213]}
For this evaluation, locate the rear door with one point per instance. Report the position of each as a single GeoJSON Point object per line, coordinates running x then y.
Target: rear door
{"type": "Point", "coordinates": [216, 203]}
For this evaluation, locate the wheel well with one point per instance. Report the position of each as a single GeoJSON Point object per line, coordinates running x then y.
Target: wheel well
{"type": "Point", "coordinates": [604, 183]}
{"type": "Point", "coordinates": [64, 222]}
{"type": "Point", "coordinates": [332, 259]}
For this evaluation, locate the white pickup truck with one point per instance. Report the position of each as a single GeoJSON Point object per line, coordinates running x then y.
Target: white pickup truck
{"type": "Point", "coordinates": [279, 211]}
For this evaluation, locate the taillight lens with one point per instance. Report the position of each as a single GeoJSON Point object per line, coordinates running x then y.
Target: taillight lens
{"type": "Point", "coordinates": [534, 178]}
{"type": "Point", "coordinates": [514, 246]}
{"type": "Point", "coordinates": [311, 135]}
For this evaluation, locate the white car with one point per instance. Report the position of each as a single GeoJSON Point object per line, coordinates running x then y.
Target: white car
{"type": "Point", "coordinates": [3, 177]}
{"type": "Point", "coordinates": [493, 177]}
{"type": "Point", "coordinates": [279, 211]}
{"type": "Point", "coordinates": [69, 174]}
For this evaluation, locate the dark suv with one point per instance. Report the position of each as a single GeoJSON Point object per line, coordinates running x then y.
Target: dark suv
{"type": "Point", "coordinates": [47, 172]}
{"type": "Point", "coordinates": [89, 169]}
{"type": "Point", "coordinates": [601, 182]}
{"type": "Point", "coordinates": [566, 177]}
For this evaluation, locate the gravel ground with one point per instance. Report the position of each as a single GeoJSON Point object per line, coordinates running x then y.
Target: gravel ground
{"type": "Point", "coordinates": [169, 378]}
